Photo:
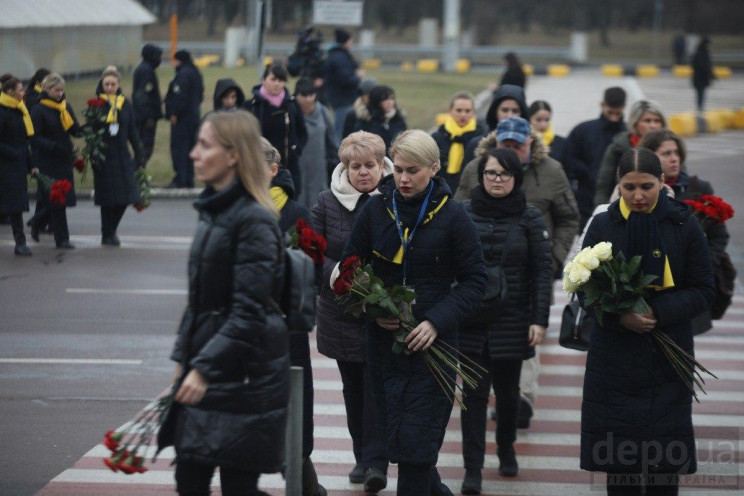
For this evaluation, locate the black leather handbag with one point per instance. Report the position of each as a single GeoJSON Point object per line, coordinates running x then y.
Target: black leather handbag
{"type": "Point", "coordinates": [576, 326]}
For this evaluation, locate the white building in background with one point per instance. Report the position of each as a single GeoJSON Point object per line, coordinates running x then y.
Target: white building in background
{"type": "Point", "coordinates": [71, 37]}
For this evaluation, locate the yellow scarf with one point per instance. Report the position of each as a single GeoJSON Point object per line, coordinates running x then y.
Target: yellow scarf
{"type": "Point", "coordinates": [38, 88]}
{"type": "Point", "coordinates": [457, 150]}
{"type": "Point", "coordinates": [60, 107]}
{"type": "Point", "coordinates": [668, 279]}
{"type": "Point", "coordinates": [279, 196]}
{"type": "Point", "coordinates": [115, 102]}
{"type": "Point", "coordinates": [549, 135]}
{"type": "Point", "coordinates": [11, 102]}
{"type": "Point", "coordinates": [398, 258]}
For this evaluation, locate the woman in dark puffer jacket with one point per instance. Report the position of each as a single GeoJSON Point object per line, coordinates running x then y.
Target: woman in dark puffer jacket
{"type": "Point", "coordinates": [340, 335]}
{"type": "Point", "coordinates": [232, 381]}
{"type": "Point", "coordinates": [441, 247]}
{"type": "Point", "coordinates": [501, 334]}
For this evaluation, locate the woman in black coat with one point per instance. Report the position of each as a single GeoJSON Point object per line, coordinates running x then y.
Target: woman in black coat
{"type": "Point", "coordinates": [636, 415]}
{"type": "Point", "coordinates": [514, 74]}
{"type": "Point", "coordinates": [232, 378]}
{"type": "Point", "coordinates": [672, 153]}
{"type": "Point", "coordinates": [280, 118]}
{"type": "Point", "coordinates": [385, 118]}
{"type": "Point", "coordinates": [113, 177]}
{"type": "Point", "coordinates": [541, 115]}
{"type": "Point", "coordinates": [505, 330]}
{"type": "Point", "coordinates": [443, 248]}
{"type": "Point", "coordinates": [34, 88]}
{"type": "Point", "coordinates": [702, 71]}
{"type": "Point", "coordinates": [340, 335]}
{"type": "Point", "coordinates": [54, 124]}
{"type": "Point", "coordinates": [16, 128]}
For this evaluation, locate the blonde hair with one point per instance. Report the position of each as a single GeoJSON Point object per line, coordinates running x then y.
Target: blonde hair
{"type": "Point", "coordinates": [641, 107]}
{"type": "Point", "coordinates": [111, 71]}
{"type": "Point", "coordinates": [416, 146]}
{"type": "Point", "coordinates": [271, 154]}
{"type": "Point", "coordinates": [51, 80]}
{"type": "Point", "coordinates": [239, 131]}
{"type": "Point", "coordinates": [462, 95]}
{"type": "Point", "coordinates": [359, 144]}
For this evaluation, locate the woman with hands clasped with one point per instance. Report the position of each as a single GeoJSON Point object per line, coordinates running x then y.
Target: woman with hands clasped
{"type": "Point", "coordinates": [636, 415]}
{"type": "Point", "coordinates": [505, 330]}
{"type": "Point", "coordinates": [232, 379]}
{"type": "Point", "coordinates": [414, 235]}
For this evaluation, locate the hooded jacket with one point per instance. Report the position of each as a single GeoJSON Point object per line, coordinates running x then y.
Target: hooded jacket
{"type": "Point", "coordinates": [545, 186]}
{"type": "Point", "coordinates": [504, 92]}
{"type": "Point", "coordinates": [385, 127]}
{"type": "Point", "coordinates": [293, 209]}
{"type": "Point", "coordinates": [222, 87]}
{"type": "Point", "coordinates": [146, 99]}
{"type": "Point", "coordinates": [340, 82]}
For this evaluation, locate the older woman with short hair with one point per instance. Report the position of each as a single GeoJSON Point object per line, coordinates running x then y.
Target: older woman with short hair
{"type": "Point", "coordinates": [414, 235]}
{"type": "Point", "coordinates": [340, 335]}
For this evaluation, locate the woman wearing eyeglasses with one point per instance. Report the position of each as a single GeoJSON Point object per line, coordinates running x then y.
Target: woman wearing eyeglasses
{"type": "Point", "coordinates": [508, 325]}
{"type": "Point", "coordinates": [644, 116]}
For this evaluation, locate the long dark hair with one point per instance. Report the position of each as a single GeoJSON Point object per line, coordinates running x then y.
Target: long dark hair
{"type": "Point", "coordinates": [539, 105]}
{"type": "Point", "coordinates": [639, 160]}
{"type": "Point", "coordinates": [378, 95]}
{"type": "Point", "coordinates": [508, 159]}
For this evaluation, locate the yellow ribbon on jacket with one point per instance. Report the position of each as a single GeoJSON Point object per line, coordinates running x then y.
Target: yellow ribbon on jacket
{"type": "Point", "coordinates": [279, 196]}
{"type": "Point", "coordinates": [668, 279]}
{"type": "Point", "coordinates": [457, 150]}
{"type": "Point", "coordinates": [549, 135]}
{"type": "Point", "coordinates": [398, 258]}
{"type": "Point", "coordinates": [116, 102]}
{"type": "Point", "coordinates": [11, 102]}
{"type": "Point", "coordinates": [61, 107]}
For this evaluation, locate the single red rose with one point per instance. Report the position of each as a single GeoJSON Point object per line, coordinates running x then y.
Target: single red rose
{"type": "Point", "coordinates": [301, 224]}
{"type": "Point", "coordinates": [353, 262]}
{"type": "Point", "coordinates": [341, 286]}
{"type": "Point", "coordinates": [110, 464]}
{"type": "Point", "coordinates": [111, 444]}
{"type": "Point", "coordinates": [139, 207]}
{"type": "Point", "coordinates": [79, 164]}
{"type": "Point", "coordinates": [321, 243]}
{"type": "Point", "coordinates": [96, 102]}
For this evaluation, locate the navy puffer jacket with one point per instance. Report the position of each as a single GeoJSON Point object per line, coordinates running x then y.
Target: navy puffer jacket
{"type": "Point", "coordinates": [633, 399]}
{"type": "Point", "coordinates": [233, 333]}
{"type": "Point", "coordinates": [528, 267]}
{"type": "Point", "coordinates": [412, 409]}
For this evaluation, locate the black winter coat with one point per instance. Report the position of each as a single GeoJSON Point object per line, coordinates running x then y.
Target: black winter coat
{"type": "Point", "coordinates": [185, 94]}
{"type": "Point", "coordinates": [444, 140]}
{"type": "Point", "coordinates": [412, 408]}
{"type": "Point", "coordinates": [586, 147]}
{"type": "Point", "coordinates": [632, 396]}
{"type": "Point", "coordinates": [340, 334]}
{"type": "Point", "coordinates": [113, 178]}
{"type": "Point", "coordinates": [32, 96]}
{"type": "Point", "coordinates": [717, 235]}
{"type": "Point", "coordinates": [340, 81]}
{"type": "Point", "coordinates": [528, 267]}
{"type": "Point", "coordinates": [559, 150]}
{"type": "Point", "coordinates": [293, 209]}
{"type": "Point", "coordinates": [15, 162]}
{"type": "Point", "coordinates": [52, 146]}
{"type": "Point", "coordinates": [233, 333]}
{"type": "Point", "coordinates": [146, 99]}
{"type": "Point", "coordinates": [284, 127]}
{"type": "Point", "coordinates": [387, 129]}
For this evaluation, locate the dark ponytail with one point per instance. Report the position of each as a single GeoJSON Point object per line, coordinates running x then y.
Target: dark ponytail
{"type": "Point", "coordinates": [640, 160]}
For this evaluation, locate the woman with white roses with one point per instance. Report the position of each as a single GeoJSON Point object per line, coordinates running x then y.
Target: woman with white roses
{"type": "Point", "coordinates": [636, 415]}
{"type": "Point", "coordinates": [504, 331]}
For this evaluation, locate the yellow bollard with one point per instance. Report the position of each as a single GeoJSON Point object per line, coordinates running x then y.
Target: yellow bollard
{"type": "Point", "coordinates": [647, 71]}
{"type": "Point", "coordinates": [427, 65]}
{"type": "Point", "coordinates": [528, 69]}
{"type": "Point", "coordinates": [683, 124]}
{"type": "Point", "coordinates": [722, 72]}
{"type": "Point", "coordinates": [406, 67]}
{"type": "Point", "coordinates": [612, 70]}
{"type": "Point", "coordinates": [682, 71]}
{"type": "Point", "coordinates": [268, 60]}
{"type": "Point", "coordinates": [372, 64]}
{"type": "Point", "coordinates": [558, 70]}
{"type": "Point", "coordinates": [462, 66]}
{"type": "Point", "coordinates": [739, 119]}
{"type": "Point", "coordinates": [727, 117]}
{"type": "Point", "coordinates": [714, 121]}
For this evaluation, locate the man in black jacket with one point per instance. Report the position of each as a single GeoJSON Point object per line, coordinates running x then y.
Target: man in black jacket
{"type": "Point", "coordinates": [182, 102]}
{"type": "Point", "coordinates": [146, 100]}
{"type": "Point", "coordinates": [341, 78]}
{"type": "Point", "coordinates": [586, 147]}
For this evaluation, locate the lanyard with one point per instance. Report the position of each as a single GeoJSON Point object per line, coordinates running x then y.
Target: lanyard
{"type": "Point", "coordinates": [407, 242]}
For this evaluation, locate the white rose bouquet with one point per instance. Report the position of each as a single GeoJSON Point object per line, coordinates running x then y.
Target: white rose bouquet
{"type": "Point", "coordinates": [614, 285]}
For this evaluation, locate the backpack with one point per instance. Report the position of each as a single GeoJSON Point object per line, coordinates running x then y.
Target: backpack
{"type": "Point", "coordinates": [298, 300]}
{"type": "Point", "coordinates": [724, 275]}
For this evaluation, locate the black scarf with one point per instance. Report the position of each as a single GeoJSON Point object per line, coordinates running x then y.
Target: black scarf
{"type": "Point", "coordinates": [486, 205]}
{"type": "Point", "coordinates": [643, 237]}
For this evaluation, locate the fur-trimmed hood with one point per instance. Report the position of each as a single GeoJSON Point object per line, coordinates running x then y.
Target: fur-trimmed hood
{"type": "Point", "coordinates": [539, 149]}
{"type": "Point", "coordinates": [360, 110]}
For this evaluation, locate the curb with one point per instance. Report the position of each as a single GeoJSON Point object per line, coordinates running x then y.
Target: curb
{"type": "Point", "coordinates": [708, 122]}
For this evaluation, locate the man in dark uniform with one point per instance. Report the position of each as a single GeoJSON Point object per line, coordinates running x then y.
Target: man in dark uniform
{"type": "Point", "coordinates": [182, 102]}
{"type": "Point", "coordinates": [146, 99]}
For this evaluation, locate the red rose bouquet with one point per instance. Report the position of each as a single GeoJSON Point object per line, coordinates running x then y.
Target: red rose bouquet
{"type": "Point", "coordinates": [312, 243]}
{"type": "Point", "coordinates": [360, 292]}
{"type": "Point", "coordinates": [57, 190]}
{"type": "Point", "coordinates": [129, 444]}
{"type": "Point", "coordinates": [710, 210]}
{"type": "Point", "coordinates": [95, 119]}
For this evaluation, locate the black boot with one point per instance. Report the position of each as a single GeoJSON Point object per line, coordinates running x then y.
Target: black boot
{"type": "Point", "coordinates": [310, 484]}
{"type": "Point", "coordinates": [508, 466]}
{"type": "Point", "coordinates": [472, 482]}
{"type": "Point", "coordinates": [356, 476]}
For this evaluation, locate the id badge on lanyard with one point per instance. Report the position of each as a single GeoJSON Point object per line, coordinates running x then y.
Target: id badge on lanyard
{"type": "Point", "coordinates": [406, 241]}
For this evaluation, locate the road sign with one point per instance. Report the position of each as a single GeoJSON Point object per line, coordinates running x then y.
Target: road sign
{"type": "Point", "coordinates": [337, 13]}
